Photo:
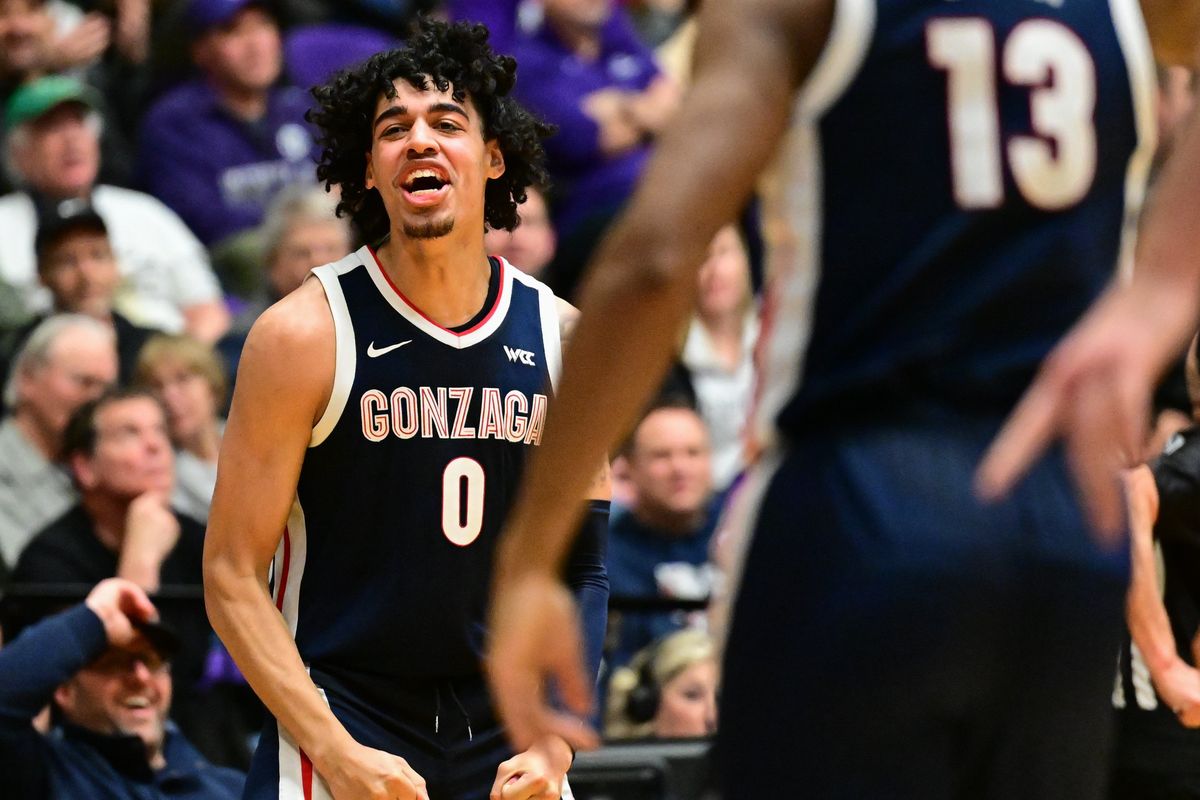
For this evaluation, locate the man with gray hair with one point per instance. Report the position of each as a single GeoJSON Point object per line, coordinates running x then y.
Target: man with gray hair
{"type": "Point", "coordinates": [53, 152]}
{"type": "Point", "coordinates": [67, 360]}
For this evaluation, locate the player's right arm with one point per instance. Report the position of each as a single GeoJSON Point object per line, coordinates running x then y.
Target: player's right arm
{"type": "Point", "coordinates": [1177, 682]}
{"type": "Point", "coordinates": [283, 385]}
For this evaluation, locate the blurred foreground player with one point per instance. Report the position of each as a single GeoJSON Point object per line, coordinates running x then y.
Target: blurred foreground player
{"type": "Point", "coordinates": [380, 424]}
{"type": "Point", "coordinates": [960, 173]}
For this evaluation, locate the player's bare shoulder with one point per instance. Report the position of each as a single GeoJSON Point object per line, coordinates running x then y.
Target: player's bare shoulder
{"type": "Point", "coordinates": [292, 345]}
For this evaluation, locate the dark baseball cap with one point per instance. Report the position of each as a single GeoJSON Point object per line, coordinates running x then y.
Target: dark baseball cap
{"type": "Point", "coordinates": [204, 15]}
{"type": "Point", "coordinates": [34, 99]}
{"type": "Point", "coordinates": [160, 636]}
{"type": "Point", "coordinates": [58, 218]}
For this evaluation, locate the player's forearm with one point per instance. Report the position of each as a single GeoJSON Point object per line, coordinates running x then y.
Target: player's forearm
{"type": "Point", "coordinates": [1166, 277]}
{"type": "Point", "coordinates": [253, 631]}
{"type": "Point", "coordinates": [1174, 28]}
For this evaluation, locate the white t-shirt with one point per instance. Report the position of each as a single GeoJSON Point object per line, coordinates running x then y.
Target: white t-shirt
{"type": "Point", "coordinates": [164, 266]}
{"type": "Point", "coordinates": [723, 396]}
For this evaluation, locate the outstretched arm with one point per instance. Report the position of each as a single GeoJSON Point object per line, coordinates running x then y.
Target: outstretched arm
{"type": "Point", "coordinates": [752, 55]}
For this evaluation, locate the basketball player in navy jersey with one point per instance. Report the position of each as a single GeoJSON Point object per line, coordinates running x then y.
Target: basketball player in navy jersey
{"type": "Point", "coordinates": [959, 172]}
{"type": "Point", "coordinates": [382, 417]}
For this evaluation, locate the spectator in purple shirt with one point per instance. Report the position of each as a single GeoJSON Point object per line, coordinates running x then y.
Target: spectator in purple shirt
{"type": "Point", "coordinates": [216, 149]}
{"type": "Point", "coordinates": [585, 70]}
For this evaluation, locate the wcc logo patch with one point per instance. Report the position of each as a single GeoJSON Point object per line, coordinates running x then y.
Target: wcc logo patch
{"type": "Point", "coordinates": [519, 356]}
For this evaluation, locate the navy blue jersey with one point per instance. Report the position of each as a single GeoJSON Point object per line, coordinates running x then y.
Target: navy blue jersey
{"type": "Point", "coordinates": [385, 567]}
{"type": "Point", "coordinates": [956, 189]}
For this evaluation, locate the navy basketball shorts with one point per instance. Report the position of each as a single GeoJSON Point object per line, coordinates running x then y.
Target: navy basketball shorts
{"type": "Point", "coordinates": [445, 729]}
{"type": "Point", "coordinates": [895, 638]}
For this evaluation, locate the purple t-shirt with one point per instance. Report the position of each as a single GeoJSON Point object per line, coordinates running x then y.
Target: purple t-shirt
{"type": "Point", "coordinates": [219, 173]}
{"type": "Point", "coordinates": [553, 82]}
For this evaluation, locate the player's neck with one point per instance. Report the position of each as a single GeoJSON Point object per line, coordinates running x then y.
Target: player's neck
{"type": "Point", "coordinates": [446, 278]}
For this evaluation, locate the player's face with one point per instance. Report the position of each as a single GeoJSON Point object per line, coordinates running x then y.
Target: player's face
{"type": "Point", "coordinates": [305, 245]}
{"type": "Point", "coordinates": [429, 161]}
{"type": "Point", "coordinates": [132, 454]}
{"type": "Point", "coordinates": [530, 246]}
{"type": "Point", "coordinates": [80, 365]}
{"type": "Point", "coordinates": [123, 691]}
{"type": "Point", "coordinates": [670, 463]}
{"type": "Point", "coordinates": [244, 54]}
{"type": "Point", "coordinates": [189, 398]}
{"type": "Point", "coordinates": [724, 280]}
{"type": "Point", "coordinates": [81, 273]}
{"type": "Point", "coordinates": [60, 155]}
{"type": "Point", "coordinates": [24, 30]}
{"type": "Point", "coordinates": [688, 704]}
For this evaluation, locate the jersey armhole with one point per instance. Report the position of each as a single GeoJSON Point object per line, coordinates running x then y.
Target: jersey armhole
{"type": "Point", "coordinates": [344, 349]}
{"type": "Point", "coordinates": [849, 41]}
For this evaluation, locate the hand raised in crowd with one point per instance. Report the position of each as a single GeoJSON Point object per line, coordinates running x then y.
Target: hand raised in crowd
{"type": "Point", "coordinates": [83, 44]}
{"type": "Point", "coordinates": [119, 603]}
{"type": "Point", "coordinates": [652, 108]}
{"type": "Point", "coordinates": [151, 532]}
{"type": "Point", "coordinates": [363, 773]}
{"type": "Point", "coordinates": [133, 29]}
{"type": "Point", "coordinates": [536, 774]}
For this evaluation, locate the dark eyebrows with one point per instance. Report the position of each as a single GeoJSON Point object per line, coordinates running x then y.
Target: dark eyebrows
{"type": "Point", "coordinates": [450, 108]}
{"type": "Point", "coordinates": [436, 108]}
{"type": "Point", "coordinates": [390, 111]}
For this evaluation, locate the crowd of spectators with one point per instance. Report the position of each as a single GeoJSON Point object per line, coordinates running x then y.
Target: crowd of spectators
{"type": "Point", "coordinates": [157, 195]}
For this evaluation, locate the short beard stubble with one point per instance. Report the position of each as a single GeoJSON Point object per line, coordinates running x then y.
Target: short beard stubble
{"type": "Point", "coordinates": [429, 230]}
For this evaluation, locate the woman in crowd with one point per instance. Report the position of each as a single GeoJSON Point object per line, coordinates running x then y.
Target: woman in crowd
{"type": "Point", "coordinates": [668, 690]}
{"type": "Point", "coordinates": [719, 351]}
{"type": "Point", "coordinates": [190, 379]}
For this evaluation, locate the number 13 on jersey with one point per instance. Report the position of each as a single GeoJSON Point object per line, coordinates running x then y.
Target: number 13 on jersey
{"type": "Point", "coordinates": [1054, 167]}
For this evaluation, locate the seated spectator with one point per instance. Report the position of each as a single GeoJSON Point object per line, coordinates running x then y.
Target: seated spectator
{"type": "Point", "coordinates": [120, 456]}
{"type": "Point", "coordinates": [76, 263]}
{"type": "Point", "coordinates": [719, 351]}
{"type": "Point", "coordinates": [668, 691]}
{"type": "Point", "coordinates": [44, 37]}
{"type": "Point", "coordinates": [255, 138]}
{"type": "Point", "coordinates": [107, 670]}
{"type": "Point", "coordinates": [53, 148]}
{"type": "Point", "coordinates": [66, 361]}
{"type": "Point", "coordinates": [658, 545]}
{"type": "Point", "coordinates": [189, 379]}
{"type": "Point", "coordinates": [530, 246]}
{"type": "Point", "coordinates": [585, 70]}
{"type": "Point", "coordinates": [301, 231]}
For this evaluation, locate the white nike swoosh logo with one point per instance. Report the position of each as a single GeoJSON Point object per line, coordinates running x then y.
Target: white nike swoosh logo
{"type": "Point", "coordinates": [374, 352]}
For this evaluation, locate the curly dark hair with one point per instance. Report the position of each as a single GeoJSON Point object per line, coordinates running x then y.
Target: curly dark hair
{"type": "Point", "coordinates": [446, 55]}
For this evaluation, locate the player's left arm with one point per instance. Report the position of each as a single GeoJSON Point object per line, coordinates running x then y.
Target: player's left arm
{"type": "Point", "coordinates": [537, 773]}
{"type": "Point", "coordinates": [586, 571]}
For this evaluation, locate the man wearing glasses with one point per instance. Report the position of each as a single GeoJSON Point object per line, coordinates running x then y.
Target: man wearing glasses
{"type": "Point", "coordinates": [105, 667]}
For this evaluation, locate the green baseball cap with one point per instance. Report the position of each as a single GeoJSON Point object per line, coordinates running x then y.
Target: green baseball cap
{"type": "Point", "coordinates": [37, 97]}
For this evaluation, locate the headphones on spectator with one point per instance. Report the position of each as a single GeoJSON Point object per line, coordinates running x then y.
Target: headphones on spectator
{"type": "Point", "coordinates": [642, 704]}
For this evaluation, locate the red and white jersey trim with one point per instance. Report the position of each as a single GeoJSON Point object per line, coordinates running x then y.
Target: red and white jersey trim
{"type": "Point", "coordinates": [486, 327]}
